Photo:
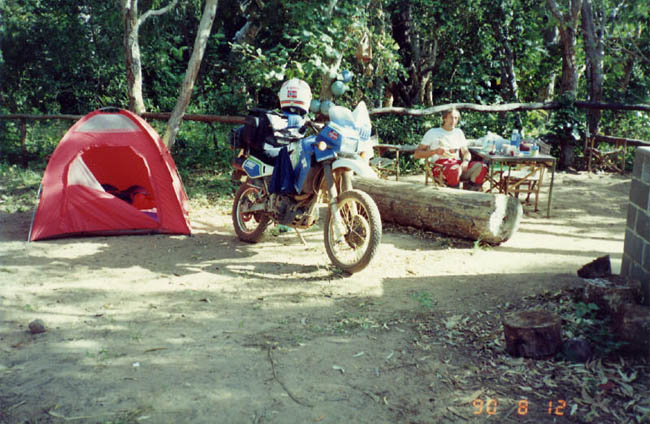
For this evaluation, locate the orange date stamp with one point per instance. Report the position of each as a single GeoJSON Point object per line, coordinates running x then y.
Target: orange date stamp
{"type": "Point", "coordinates": [490, 406]}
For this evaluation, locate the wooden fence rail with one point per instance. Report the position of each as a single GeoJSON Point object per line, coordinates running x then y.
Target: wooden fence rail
{"type": "Point", "coordinates": [239, 120]}
{"type": "Point", "coordinates": [159, 116]}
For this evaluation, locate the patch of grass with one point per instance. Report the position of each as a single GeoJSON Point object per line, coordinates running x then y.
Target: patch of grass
{"type": "Point", "coordinates": [425, 299]}
{"type": "Point", "coordinates": [480, 245]}
{"type": "Point", "coordinates": [18, 188]}
{"type": "Point", "coordinates": [207, 188]}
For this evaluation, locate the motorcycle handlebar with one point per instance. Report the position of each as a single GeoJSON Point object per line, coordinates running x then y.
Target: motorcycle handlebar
{"type": "Point", "coordinates": [313, 125]}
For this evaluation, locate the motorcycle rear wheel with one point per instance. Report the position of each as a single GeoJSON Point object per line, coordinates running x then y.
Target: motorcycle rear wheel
{"type": "Point", "coordinates": [353, 250]}
{"type": "Point", "coordinates": [249, 226]}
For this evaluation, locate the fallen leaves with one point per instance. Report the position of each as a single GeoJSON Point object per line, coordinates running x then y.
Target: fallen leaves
{"type": "Point", "coordinates": [600, 390]}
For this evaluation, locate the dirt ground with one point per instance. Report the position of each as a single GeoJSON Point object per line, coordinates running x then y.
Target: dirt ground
{"type": "Point", "coordinates": [207, 329]}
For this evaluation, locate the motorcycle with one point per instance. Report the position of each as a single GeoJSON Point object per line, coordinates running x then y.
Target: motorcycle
{"type": "Point", "coordinates": [284, 182]}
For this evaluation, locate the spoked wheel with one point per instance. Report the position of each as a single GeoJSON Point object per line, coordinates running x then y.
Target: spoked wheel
{"type": "Point", "coordinates": [353, 241]}
{"type": "Point", "coordinates": [249, 226]}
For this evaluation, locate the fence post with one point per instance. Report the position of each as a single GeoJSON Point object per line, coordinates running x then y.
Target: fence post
{"type": "Point", "coordinates": [589, 148]}
{"type": "Point", "coordinates": [23, 147]}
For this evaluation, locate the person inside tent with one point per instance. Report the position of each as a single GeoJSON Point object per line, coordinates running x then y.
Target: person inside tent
{"type": "Point", "coordinates": [447, 148]}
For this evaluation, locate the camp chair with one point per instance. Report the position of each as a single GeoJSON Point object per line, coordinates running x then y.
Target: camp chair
{"type": "Point", "coordinates": [384, 166]}
{"type": "Point", "coordinates": [429, 166]}
{"type": "Point", "coordinates": [525, 178]}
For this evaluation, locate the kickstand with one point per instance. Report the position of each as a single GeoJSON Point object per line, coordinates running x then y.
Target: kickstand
{"type": "Point", "coordinates": [301, 237]}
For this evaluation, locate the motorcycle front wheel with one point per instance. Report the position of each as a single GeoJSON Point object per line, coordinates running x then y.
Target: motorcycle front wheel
{"type": "Point", "coordinates": [352, 243]}
{"type": "Point", "coordinates": [249, 226]}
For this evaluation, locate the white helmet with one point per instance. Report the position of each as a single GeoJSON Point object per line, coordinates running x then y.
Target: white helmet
{"type": "Point", "coordinates": [295, 93]}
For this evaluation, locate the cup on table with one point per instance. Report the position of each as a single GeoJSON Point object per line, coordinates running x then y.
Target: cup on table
{"type": "Point", "coordinates": [534, 150]}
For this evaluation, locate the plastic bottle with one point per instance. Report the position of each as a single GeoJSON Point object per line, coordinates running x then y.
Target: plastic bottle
{"type": "Point", "coordinates": [515, 139]}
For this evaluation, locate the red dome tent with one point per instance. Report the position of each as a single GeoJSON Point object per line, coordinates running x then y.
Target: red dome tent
{"type": "Point", "coordinates": [110, 174]}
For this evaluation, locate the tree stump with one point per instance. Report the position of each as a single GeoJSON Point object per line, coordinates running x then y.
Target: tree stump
{"type": "Point", "coordinates": [598, 268]}
{"type": "Point", "coordinates": [632, 325]}
{"type": "Point", "coordinates": [532, 334]}
{"type": "Point", "coordinates": [492, 218]}
{"type": "Point", "coordinates": [611, 294]}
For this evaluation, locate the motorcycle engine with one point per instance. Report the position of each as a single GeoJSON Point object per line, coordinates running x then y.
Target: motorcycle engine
{"type": "Point", "coordinates": [294, 212]}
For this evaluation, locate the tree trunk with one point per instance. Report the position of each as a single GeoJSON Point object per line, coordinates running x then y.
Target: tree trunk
{"type": "Point", "coordinates": [507, 61]}
{"type": "Point", "coordinates": [418, 58]}
{"type": "Point", "coordinates": [328, 77]}
{"type": "Point", "coordinates": [132, 50]}
{"type": "Point", "coordinates": [132, 53]}
{"type": "Point", "coordinates": [192, 71]}
{"type": "Point", "coordinates": [568, 25]}
{"type": "Point", "coordinates": [627, 74]}
{"type": "Point", "coordinates": [593, 40]}
{"type": "Point", "coordinates": [465, 214]}
{"type": "Point", "coordinates": [569, 79]}
{"type": "Point", "coordinates": [551, 39]}
{"type": "Point", "coordinates": [253, 10]}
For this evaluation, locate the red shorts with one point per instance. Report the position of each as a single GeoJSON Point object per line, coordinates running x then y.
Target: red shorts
{"type": "Point", "coordinates": [453, 173]}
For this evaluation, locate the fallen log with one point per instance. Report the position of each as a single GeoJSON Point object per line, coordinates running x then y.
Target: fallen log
{"type": "Point", "coordinates": [491, 218]}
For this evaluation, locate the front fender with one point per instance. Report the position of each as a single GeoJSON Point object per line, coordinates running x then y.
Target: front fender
{"type": "Point", "coordinates": [360, 168]}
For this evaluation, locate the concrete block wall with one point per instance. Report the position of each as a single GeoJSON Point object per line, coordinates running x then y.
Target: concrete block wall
{"type": "Point", "coordinates": [636, 252]}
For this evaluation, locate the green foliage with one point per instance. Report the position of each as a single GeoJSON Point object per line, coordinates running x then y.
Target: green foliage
{"type": "Point", "coordinates": [567, 122]}
{"type": "Point", "coordinates": [586, 322]}
{"type": "Point", "coordinates": [394, 129]}
{"type": "Point", "coordinates": [202, 146]}
{"type": "Point", "coordinates": [299, 40]}
{"type": "Point", "coordinates": [585, 313]}
{"type": "Point", "coordinates": [18, 188]}
{"type": "Point", "coordinates": [67, 57]}
{"type": "Point", "coordinates": [566, 131]}
{"type": "Point", "coordinates": [424, 299]}
{"type": "Point", "coordinates": [208, 188]}
{"type": "Point", "coordinates": [41, 139]}
{"type": "Point", "coordinates": [59, 55]}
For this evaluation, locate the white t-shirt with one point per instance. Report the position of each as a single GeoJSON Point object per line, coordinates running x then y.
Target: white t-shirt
{"type": "Point", "coordinates": [451, 141]}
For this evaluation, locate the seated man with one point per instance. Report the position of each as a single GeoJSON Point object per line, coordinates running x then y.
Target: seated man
{"type": "Point", "coordinates": [447, 146]}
